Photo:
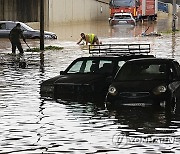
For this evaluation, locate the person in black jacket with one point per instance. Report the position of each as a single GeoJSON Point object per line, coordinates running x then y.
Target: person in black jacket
{"type": "Point", "coordinates": [15, 35]}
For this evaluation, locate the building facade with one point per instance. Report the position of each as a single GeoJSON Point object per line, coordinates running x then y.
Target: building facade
{"type": "Point", "coordinates": [56, 11]}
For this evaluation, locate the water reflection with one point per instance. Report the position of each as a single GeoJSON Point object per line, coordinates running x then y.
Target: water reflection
{"type": "Point", "coordinates": [173, 44]}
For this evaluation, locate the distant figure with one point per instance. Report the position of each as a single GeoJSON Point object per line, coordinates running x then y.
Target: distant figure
{"type": "Point", "coordinates": [15, 35]}
{"type": "Point", "coordinates": [89, 38]}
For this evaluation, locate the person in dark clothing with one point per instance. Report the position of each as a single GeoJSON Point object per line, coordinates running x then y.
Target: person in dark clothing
{"type": "Point", "coordinates": [15, 35]}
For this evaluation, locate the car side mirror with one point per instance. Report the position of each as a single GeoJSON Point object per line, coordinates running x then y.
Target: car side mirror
{"type": "Point", "coordinates": [62, 73]}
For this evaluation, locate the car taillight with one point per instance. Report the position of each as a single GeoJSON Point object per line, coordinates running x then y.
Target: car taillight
{"type": "Point", "coordinates": [130, 21]}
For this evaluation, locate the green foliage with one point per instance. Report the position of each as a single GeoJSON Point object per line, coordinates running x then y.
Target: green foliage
{"type": "Point", "coordinates": [53, 48]}
{"type": "Point", "coordinates": [46, 48]}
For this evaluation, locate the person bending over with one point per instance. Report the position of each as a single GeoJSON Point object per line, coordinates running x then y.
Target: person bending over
{"type": "Point", "coordinates": [89, 38]}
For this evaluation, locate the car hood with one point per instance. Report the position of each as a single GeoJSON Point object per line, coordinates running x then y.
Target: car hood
{"type": "Point", "coordinates": [79, 78]}
{"type": "Point", "coordinates": [50, 81]}
{"type": "Point", "coordinates": [138, 86]}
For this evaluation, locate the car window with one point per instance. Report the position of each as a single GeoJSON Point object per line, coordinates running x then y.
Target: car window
{"type": "Point", "coordinates": [121, 63]}
{"type": "Point", "coordinates": [122, 17]}
{"type": "Point", "coordinates": [106, 67]}
{"type": "Point", "coordinates": [76, 67]}
{"type": "Point", "coordinates": [11, 26]}
{"type": "Point", "coordinates": [126, 3]}
{"type": "Point", "coordinates": [2, 26]}
{"type": "Point", "coordinates": [139, 71]}
{"type": "Point", "coordinates": [92, 66]}
{"type": "Point", "coordinates": [26, 27]}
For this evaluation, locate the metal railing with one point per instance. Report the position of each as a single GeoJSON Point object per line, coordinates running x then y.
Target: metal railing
{"type": "Point", "coordinates": [119, 49]}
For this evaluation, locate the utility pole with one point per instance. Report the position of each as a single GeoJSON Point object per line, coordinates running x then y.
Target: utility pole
{"type": "Point", "coordinates": [42, 25]}
{"type": "Point", "coordinates": [42, 35]}
{"type": "Point", "coordinates": [174, 16]}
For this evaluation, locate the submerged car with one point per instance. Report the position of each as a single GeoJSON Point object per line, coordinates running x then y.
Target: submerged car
{"type": "Point", "coordinates": [88, 78]}
{"type": "Point", "coordinates": [29, 33]}
{"type": "Point", "coordinates": [122, 19]}
{"type": "Point", "coordinates": [145, 82]}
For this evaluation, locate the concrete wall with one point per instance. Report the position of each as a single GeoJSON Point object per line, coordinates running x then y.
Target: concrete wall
{"type": "Point", "coordinates": [56, 11]}
{"type": "Point", "coordinates": [22, 10]}
{"type": "Point", "coordinates": [66, 11]}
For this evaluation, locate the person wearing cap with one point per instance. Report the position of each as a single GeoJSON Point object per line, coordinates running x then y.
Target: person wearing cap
{"type": "Point", "coordinates": [15, 35]}
{"type": "Point", "coordinates": [89, 38]}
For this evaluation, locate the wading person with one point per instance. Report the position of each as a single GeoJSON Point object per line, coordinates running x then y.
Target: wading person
{"type": "Point", "coordinates": [15, 35]}
{"type": "Point", "coordinates": [89, 38]}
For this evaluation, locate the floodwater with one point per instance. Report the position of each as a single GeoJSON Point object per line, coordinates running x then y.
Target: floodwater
{"type": "Point", "coordinates": [30, 124]}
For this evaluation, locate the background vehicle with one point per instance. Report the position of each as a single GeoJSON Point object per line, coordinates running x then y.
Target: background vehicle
{"type": "Point", "coordinates": [140, 9]}
{"type": "Point", "coordinates": [88, 78]}
{"type": "Point", "coordinates": [144, 82]}
{"type": "Point", "coordinates": [122, 19]}
{"type": "Point", "coordinates": [29, 33]}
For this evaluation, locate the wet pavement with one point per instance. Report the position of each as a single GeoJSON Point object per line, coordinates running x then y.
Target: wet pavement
{"type": "Point", "coordinates": [30, 124]}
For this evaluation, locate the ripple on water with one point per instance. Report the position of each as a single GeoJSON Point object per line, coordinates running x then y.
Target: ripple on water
{"type": "Point", "coordinates": [30, 124]}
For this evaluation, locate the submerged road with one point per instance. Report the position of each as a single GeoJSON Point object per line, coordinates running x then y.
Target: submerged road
{"type": "Point", "coordinates": [30, 124]}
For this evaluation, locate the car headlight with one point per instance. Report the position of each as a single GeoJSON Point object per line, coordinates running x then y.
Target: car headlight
{"type": "Point", "coordinates": [47, 88]}
{"type": "Point", "coordinates": [46, 36]}
{"type": "Point", "coordinates": [159, 90]}
{"type": "Point", "coordinates": [112, 90]}
{"type": "Point", "coordinates": [50, 36]}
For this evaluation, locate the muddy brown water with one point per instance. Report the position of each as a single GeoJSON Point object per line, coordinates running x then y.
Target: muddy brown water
{"type": "Point", "coordinates": [30, 124]}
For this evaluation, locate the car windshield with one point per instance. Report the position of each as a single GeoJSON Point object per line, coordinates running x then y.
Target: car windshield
{"type": "Point", "coordinates": [116, 3]}
{"type": "Point", "coordinates": [99, 66]}
{"type": "Point", "coordinates": [142, 71]}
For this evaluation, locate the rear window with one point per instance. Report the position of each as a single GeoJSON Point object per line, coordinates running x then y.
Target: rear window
{"type": "Point", "coordinates": [122, 17]}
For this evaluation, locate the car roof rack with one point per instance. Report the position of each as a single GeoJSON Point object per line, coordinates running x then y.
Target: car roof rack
{"type": "Point", "coordinates": [119, 49]}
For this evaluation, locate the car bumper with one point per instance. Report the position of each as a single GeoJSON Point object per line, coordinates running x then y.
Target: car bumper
{"type": "Point", "coordinates": [136, 99]}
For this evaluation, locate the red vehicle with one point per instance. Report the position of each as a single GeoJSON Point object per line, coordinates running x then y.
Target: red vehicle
{"type": "Point", "coordinates": [140, 9]}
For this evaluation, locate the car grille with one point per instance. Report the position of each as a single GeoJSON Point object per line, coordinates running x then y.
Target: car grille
{"type": "Point", "coordinates": [134, 94]}
{"type": "Point", "coordinates": [72, 90]}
